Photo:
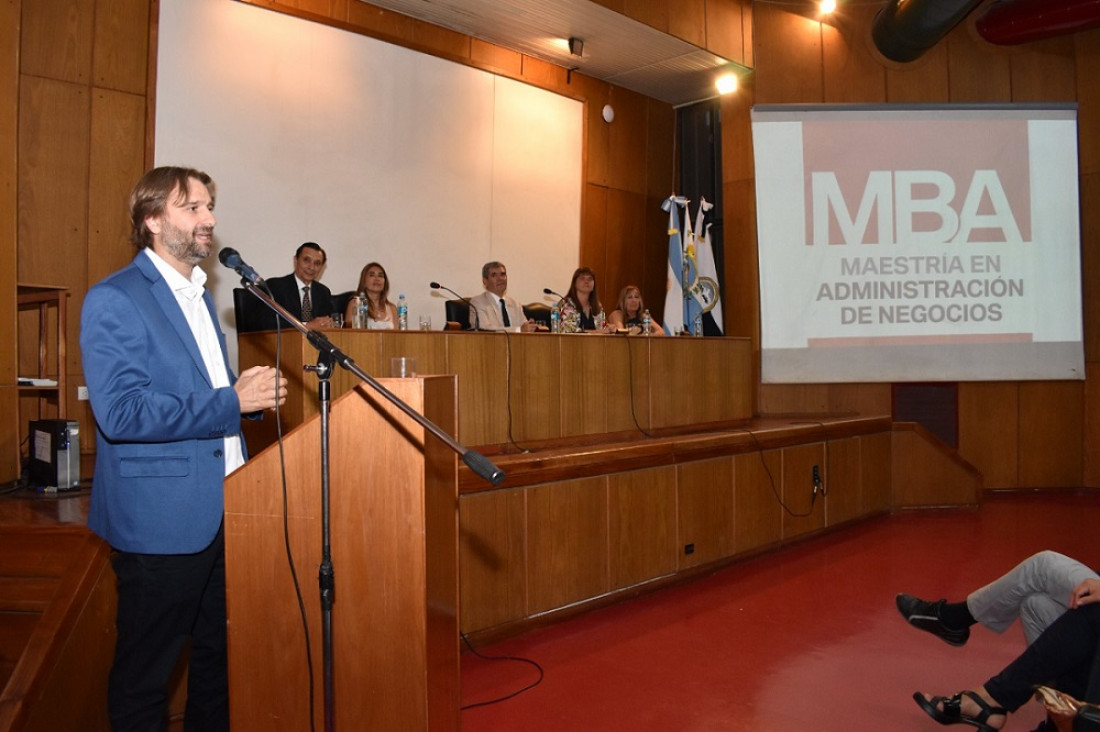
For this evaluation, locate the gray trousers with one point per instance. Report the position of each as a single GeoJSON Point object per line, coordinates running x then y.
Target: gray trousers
{"type": "Point", "coordinates": [1037, 592]}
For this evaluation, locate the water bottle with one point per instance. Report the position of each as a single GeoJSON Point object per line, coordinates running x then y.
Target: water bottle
{"type": "Point", "coordinates": [698, 326]}
{"type": "Point", "coordinates": [362, 310]}
{"type": "Point", "coordinates": [647, 322]}
{"type": "Point", "coordinates": [555, 319]}
{"type": "Point", "coordinates": [402, 313]}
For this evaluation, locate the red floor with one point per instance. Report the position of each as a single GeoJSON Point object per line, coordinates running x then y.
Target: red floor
{"type": "Point", "coordinates": [804, 639]}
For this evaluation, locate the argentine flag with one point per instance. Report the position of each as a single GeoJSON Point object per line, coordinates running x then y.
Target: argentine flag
{"type": "Point", "coordinates": [674, 294]}
{"type": "Point", "coordinates": [693, 290]}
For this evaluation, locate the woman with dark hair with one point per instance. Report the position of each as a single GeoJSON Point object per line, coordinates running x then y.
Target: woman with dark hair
{"type": "Point", "coordinates": [581, 310]}
{"type": "Point", "coordinates": [374, 285]}
{"type": "Point", "coordinates": [630, 313]}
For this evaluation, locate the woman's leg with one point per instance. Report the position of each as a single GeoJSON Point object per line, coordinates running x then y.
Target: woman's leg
{"type": "Point", "coordinates": [1062, 655]}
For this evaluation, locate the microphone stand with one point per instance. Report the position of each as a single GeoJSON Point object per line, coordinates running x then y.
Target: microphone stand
{"type": "Point", "coordinates": [477, 319]}
{"type": "Point", "coordinates": [328, 355]}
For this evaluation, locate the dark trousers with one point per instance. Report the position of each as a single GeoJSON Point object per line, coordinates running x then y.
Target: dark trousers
{"type": "Point", "coordinates": [164, 599]}
{"type": "Point", "coordinates": [1063, 656]}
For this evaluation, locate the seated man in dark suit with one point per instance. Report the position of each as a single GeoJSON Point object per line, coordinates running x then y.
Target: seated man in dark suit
{"type": "Point", "coordinates": [300, 293]}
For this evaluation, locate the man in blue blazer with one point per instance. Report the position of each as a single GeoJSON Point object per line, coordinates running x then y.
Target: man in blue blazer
{"type": "Point", "coordinates": [168, 412]}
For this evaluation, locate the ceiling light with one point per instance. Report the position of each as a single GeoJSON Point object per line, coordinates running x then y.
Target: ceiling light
{"type": "Point", "coordinates": [576, 46]}
{"type": "Point", "coordinates": [726, 83]}
{"type": "Point", "coordinates": [826, 6]}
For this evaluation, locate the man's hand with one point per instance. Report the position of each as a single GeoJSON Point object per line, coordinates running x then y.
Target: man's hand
{"type": "Point", "coordinates": [1085, 593]}
{"type": "Point", "coordinates": [318, 323]}
{"type": "Point", "coordinates": [256, 389]}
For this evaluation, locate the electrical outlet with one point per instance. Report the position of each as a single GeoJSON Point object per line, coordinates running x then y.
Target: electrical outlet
{"type": "Point", "coordinates": [82, 393]}
{"type": "Point", "coordinates": [689, 548]}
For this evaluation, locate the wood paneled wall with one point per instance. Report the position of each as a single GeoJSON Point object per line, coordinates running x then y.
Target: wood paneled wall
{"type": "Point", "coordinates": [78, 145]}
{"type": "Point", "coordinates": [553, 547]}
{"type": "Point", "coordinates": [1043, 433]}
{"type": "Point", "coordinates": [9, 156]}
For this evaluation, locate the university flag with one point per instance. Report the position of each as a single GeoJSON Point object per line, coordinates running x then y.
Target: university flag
{"type": "Point", "coordinates": [705, 292]}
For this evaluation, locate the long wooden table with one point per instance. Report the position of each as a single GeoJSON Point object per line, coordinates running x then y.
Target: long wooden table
{"type": "Point", "coordinates": [532, 386]}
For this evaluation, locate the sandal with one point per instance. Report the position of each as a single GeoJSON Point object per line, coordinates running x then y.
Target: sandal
{"type": "Point", "coordinates": [951, 711]}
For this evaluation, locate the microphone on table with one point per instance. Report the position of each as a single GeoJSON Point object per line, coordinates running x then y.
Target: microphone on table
{"type": "Point", "coordinates": [437, 286]}
{"type": "Point", "coordinates": [231, 258]}
{"type": "Point", "coordinates": [548, 291]}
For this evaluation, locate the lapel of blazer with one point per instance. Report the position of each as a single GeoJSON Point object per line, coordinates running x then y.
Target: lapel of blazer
{"type": "Point", "coordinates": [209, 300]}
{"type": "Point", "coordinates": [293, 297]}
{"type": "Point", "coordinates": [165, 299]}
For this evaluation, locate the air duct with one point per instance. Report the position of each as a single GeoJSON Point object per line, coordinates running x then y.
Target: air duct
{"type": "Point", "coordinates": [905, 29]}
{"type": "Point", "coordinates": [1008, 22]}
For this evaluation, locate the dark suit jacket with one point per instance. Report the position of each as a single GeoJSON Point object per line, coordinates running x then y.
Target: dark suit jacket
{"type": "Point", "coordinates": [284, 290]}
{"type": "Point", "coordinates": [159, 466]}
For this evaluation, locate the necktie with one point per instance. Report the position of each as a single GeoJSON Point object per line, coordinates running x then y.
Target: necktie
{"type": "Point", "coordinates": [307, 305]}
{"type": "Point", "coordinates": [504, 314]}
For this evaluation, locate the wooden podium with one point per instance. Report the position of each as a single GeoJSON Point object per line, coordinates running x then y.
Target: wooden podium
{"type": "Point", "coordinates": [394, 540]}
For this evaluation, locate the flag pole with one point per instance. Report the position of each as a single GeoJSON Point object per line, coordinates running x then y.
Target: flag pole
{"type": "Point", "coordinates": [684, 236]}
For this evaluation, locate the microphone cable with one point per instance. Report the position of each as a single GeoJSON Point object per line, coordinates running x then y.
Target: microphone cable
{"type": "Point", "coordinates": [508, 391]}
{"type": "Point", "coordinates": [517, 659]}
{"type": "Point", "coordinates": [771, 478]}
{"type": "Point", "coordinates": [286, 525]}
{"type": "Point", "coordinates": [630, 368]}
{"type": "Point", "coordinates": [285, 496]}
{"type": "Point", "coordinates": [820, 484]}
{"type": "Point", "coordinates": [507, 363]}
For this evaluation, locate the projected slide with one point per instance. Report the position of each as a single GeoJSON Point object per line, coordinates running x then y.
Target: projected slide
{"type": "Point", "coordinates": [918, 243]}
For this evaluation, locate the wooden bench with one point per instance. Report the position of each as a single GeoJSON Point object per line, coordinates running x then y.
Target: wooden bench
{"type": "Point", "coordinates": [57, 611]}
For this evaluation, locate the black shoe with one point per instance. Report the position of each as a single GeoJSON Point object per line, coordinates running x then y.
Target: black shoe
{"type": "Point", "coordinates": [926, 616]}
{"type": "Point", "coordinates": [948, 710]}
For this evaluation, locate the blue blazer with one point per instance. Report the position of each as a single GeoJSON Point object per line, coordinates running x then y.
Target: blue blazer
{"type": "Point", "coordinates": [160, 468]}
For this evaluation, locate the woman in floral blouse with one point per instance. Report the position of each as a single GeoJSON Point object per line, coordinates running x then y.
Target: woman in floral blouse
{"type": "Point", "coordinates": [581, 311]}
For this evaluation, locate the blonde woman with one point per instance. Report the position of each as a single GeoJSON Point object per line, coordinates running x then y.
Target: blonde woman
{"type": "Point", "coordinates": [374, 283]}
{"type": "Point", "coordinates": [630, 313]}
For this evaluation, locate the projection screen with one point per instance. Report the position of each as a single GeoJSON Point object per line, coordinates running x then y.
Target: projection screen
{"type": "Point", "coordinates": [918, 243]}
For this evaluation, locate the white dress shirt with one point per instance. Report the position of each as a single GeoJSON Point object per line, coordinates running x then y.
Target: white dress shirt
{"type": "Point", "coordinates": [188, 294]}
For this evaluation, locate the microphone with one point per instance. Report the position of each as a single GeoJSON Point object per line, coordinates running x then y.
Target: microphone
{"type": "Point", "coordinates": [437, 286]}
{"type": "Point", "coordinates": [232, 259]}
{"type": "Point", "coordinates": [548, 291]}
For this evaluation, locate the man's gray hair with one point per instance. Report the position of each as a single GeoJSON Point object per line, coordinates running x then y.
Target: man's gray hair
{"type": "Point", "coordinates": [491, 265]}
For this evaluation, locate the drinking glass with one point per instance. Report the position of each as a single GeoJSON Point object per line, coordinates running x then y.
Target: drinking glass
{"type": "Point", "coordinates": [402, 367]}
